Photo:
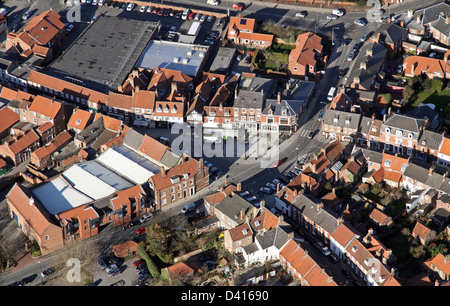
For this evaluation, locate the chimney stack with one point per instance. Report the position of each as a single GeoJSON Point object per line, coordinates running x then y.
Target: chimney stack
{"type": "Point", "coordinates": [279, 98]}
{"type": "Point", "coordinates": [242, 214]}
{"type": "Point", "coordinates": [239, 187]}
{"type": "Point", "coordinates": [262, 204]}
{"type": "Point", "coordinates": [163, 171]}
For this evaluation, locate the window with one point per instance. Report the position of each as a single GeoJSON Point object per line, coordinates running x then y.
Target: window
{"type": "Point", "coordinates": [387, 163]}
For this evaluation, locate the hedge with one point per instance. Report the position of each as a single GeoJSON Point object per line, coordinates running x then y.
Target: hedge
{"type": "Point", "coordinates": [152, 268]}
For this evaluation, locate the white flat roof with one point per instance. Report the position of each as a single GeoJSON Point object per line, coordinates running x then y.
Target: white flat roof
{"type": "Point", "coordinates": [88, 183]}
{"type": "Point", "coordinates": [57, 196]}
{"type": "Point", "coordinates": [172, 55]}
{"type": "Point", "coordinates": [129, 164]}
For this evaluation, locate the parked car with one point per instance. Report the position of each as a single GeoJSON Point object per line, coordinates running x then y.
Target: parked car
{"type": "Point", "coordinates": [341, 74]}
{"type": "Point", "coordinates": [138, 262]}
{"type": "Point", "coordinates": [365, 37]}
{"type": "Point", "coordinates": [119, 283]}
{"type": "Point", "coordinates": [350, 57]}
{"type": "Point", "coordinates": [188, 208]}
{"type": "Point", "coordinates": [310, 134]}
{"type": "Point", "coordinates": [212, 2]}
{"type": "Point", "coordinates": [346, 273]}
{"type": "Point", "coordinates": [338, 12]}
{"type": "Point", "coordinates": [221, 21]}
{"type": "Point", "coordinates": [145, 217]}
{"type": "Point", "coordinates": [237, 6]}
{"type": "Point", "coordinates": [143, 9]}
{"type": "Point", "coordinates": [360, 22]}
{"type": "Point", "coordinates": [277, 163]}
{"type": "Point", "coordinates": [271, 186]}
{"type": "Point", "coordinates": [357, 46]}
{"type": "Point", "coordinates": [102, 263]}
{"type": "Point", "coordinates": [378, 12]}
{"type": "Point", "coordinates": [301, 14]}
{"type": "Point", "coordinates": [210, 18]}
{"type": "Point", "coordinates": [266, 190]}
{"type": "Point", "coordinates": [69, 28]}
{"type": "Point", "coordinates": [432, 55]}
{"type": "Point", "coordinates": [46, 272]}
{"type": "Point", "coordinates": [26, 15]}
{"type": "Point", "coordinates": [332, 17]}
{"type": "Point", "coordinates": [130, 7]}
{"type": "Point", "coordinates": [140, 230]}
{"type": "Point", "coordinates": [333, 258]}
{"type": "Point", "coordinates": [382, 19]}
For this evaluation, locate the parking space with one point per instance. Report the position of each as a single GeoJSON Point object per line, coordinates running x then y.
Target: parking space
{"type": "Point", "coordinates": [117, 273]}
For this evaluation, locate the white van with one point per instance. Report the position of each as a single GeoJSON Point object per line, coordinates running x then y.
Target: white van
{"type": "Point", "coordinates": [331, 93]}
{"type": "Point", "coordinates": [185, 14]}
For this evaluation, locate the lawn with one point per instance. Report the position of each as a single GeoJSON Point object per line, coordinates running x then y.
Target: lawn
{"type": "Point", "coordinates": [274, 61]}
{"type": "Point", "coordinates": [440, 99]}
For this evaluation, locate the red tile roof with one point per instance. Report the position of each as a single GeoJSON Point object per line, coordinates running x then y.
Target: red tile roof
{"type": "Point", "coordinates": [45, 106]}
{"type": "Point", "coordinates": [79, 119]}
{"type": "Point", "coordinates": [7, 118]}
{"type": "Point", "coordinates": [32, 211]}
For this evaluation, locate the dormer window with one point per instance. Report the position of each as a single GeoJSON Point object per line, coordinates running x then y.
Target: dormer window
{"type": "Point", "coordinates": [388, 130]}
{"type": "Point", "coordinates": [387, 163]}
{"type": "Point", "coordinates": [399, 133]}
{"type": "Point", "coordinates": [410, 135]}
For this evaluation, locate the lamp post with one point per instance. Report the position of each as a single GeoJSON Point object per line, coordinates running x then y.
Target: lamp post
{"type": "Point", "coordinates": [332, 35]}
{"type": "Point", "coordinates": [297, 155]}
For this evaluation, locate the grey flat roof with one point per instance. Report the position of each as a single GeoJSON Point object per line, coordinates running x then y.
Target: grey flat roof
{"type": "Point", "coordinates": [186, 58]}
{"type": "Point", "coordinates": [104, 53]}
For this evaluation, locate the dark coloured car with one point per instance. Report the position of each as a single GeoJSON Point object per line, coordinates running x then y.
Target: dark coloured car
{"type": "Point", "coordinates": [333, 258]}
{"type": "Point", "coordinates": [346, 273]}
{"type": "Point", "coordinates": [102, 263]}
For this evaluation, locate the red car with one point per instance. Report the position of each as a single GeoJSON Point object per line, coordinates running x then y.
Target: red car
{"type": "Point", "coordinates": [139, 262]}
{"type": "Point", "coordinates": [277, 163]}
{"type": "Point", "coordinates": [237, 6]}
{"type": "Point", "coordinates": [191, 15]}
{"type": "Point", "coordinates": [140, 230]}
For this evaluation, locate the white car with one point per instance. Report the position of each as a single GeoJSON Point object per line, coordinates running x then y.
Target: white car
{"type": "Point", "coordinates": [101, 2]}
{"type": "Point", "coordinates": [338, 12]}
{"type": "Point", "coordinates": [332, 17]}
{"type": "Point", "coordinates": [149, 9]}
{"type": "Point", "coordinates": [143, 9]}
{"type": "Point", "coordinates": [360, 22]}
{"type": "Point", "coordinates": [130, 7]}
{"type": "Point", "coordinates": [212, 2]}
{"type": "Point", "coordinates": [378, 12]}
{"type": "Point", "coordinates": [94, 2]}
{"type": "Point", "coordinates": [203, 18]}
{"type": "Point", "coordinates": [301, 14]}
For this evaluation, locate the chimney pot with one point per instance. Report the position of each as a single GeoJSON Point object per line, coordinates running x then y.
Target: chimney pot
{"type": "Point", "coordinates": [239, 187]}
